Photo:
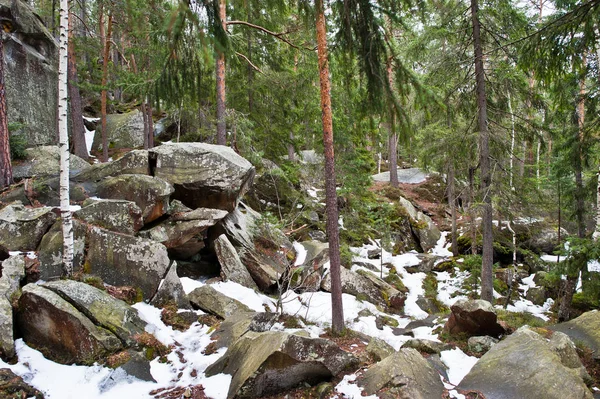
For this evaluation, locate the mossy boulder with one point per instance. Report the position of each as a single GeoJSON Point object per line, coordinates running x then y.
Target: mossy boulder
{"type": "Point", "coordinates": [525, 365]}
{"type": "Point", "coordinates": [406, 374]}
{"type": "Point", "coordinates": [212, 301]}
{"type": "Point", "coordinates": [44, 161]}
{"type": "Point", "coordinates": [122, 130]}
{"type": "Point", "coordinates": [50, 250]}
{"type": "Point", "coordinates": [135, 162]}
{"type": "Point", "coordinates": [12, 387]}
{"type": "Point", "coordinates": [232, 267]}
{"type": "Point", "coordinates": [22, 228]}
{"type": "Point", "coordinates": [171, 291]}
{"type": "Point", "coordinates": [584, 329]}
{"type": "Point", "coordinates": [121, 216]}
{"type": "Point", "coordinates": [268, 363]}
{"type": "Point", "coordinates": [11, 272]}
{"type": "Point", "coordinates": [473, 317]}
{"type": "Point", "coordinates": [61, 332]}
{"type": "Point", "coordinates": [105, 311]}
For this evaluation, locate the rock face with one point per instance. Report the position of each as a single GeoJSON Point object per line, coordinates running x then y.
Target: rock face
{"type": "Point", "coordinates": [101, 308]}
{"type": "Point", "coordinates": [59, 330]}
{"type": "Point", "coordinates": [473, 317]}
{"type": "Point", "coordinates": [51, 248]}
{"type": "Point", "coordinates": [232, 267]}
{"type": "Point", "coordinates": [585, 328]}
{"type": "Point", "coordinates": [149, 193]}
{"type": "Point", "coordinates": [171, 291]}
{"type": "Point", "coordinates": [21, 228]}
{"type": "Point", "coordinates": [424, 228]}
{"type": "Point", "coordinates": [204, 175]}
{"type": "Point", "coordinates": [263, 364]}
{"type": "Point", "coordinates": [527, 367]}
{"type": "Point", "coordinates": [13, 270]}
{"type": "Point", "coordinates": [44, 161]}
{"type": "Point", "coordinates": [406, 373]}
{"type": "Point", "coordinates": [31, 57]}
{"type": "Point", "coordinates": [133, 163]}
{"type": "Point", "coordinates": [212, 301]}
{"type": "Point", "coordinates": [120, 216]}
{"type": "Point", "coordinates": [123, 131]}
{"type": "Point", "coordinates": [120, 259]}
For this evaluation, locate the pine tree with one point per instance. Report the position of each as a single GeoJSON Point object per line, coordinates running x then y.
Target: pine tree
{"type": "Point", "coordinates": [5, 163]}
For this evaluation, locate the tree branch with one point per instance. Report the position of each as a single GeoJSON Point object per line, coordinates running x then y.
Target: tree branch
{"type": "Point", "coordinates": [249, 62]}
{"type": "Point", "coordinates": [280, 36]}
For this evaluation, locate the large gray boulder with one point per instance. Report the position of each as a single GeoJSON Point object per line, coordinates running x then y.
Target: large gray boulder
{"type": "Point", "coordinates": [31, 60]}
{"type": "Point", "coordinates": [525, 365]}
{"type": "Point", "coordinates": [263, 249]}
{"type": "Point", "coordinates": [204, 175]}
{"type": "Point", "coordinates": [406, 374]}
{"type": "Point", "coordinates": [473, 317]}
{"type": "Point", "coordinates": [424, 228]}
{"type": "Point", "coordinates": [267, 363]}
{"type": "Point", "coordinates": [183, 233]}
{"type": "Point", "coordinates": [150, 194]}
{"type": "Point", "coordinates": [238, 324]}
{"type": "Point", "coordinates": [212, 301]}
{"type": "Point", "coordinates": [119, 259]}
{"type": "Point", "coordinates": [232, 267]}
{"type": "Point", "coordinates": [121, 216]}
{"type": "Point", "coordinates": [21, 228]}
{"type": "Point", "coordinates": [171, 290]}
{"type": "Point", "coordinates": [50, 250]}
{"type": "Point", "coordinates": [123, 131]}
{"type": "Point", "coordinates": [60, 331]}
{"type": "Point", "coordinates": [12, 271]}
{"type": "Point", "coordinates": [584, 329]}
{"type": "Point", "coordinates": [44, 161]}
{"type": "Point", "coordinates": [104, 310]}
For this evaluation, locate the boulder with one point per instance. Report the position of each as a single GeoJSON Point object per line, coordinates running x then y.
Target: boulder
{"type": "Point", "coordinates": [12, 386]}
{"type": "Point", "coordinates": [120, 216]}
{"type": "Point", "coordinates": [567, 352]}
{"type": "Point", "coordinates": [183, 233]}
{"type": "Point", "coordinates": [132, 163]}
{"type": "Point", "coordinates": [426, 345]}
{"type": "Point", "coordinates": [44, 161]}
{"type": "Point", "coordinates": [105, 311]}
{"type": "Point", "coordinates": [12, 272]}
{"type": "Point", "coordinates": [150, 194]}
{"type": "Point", "coordinates": [537, 295]}
{"type": "Point", "coordinates": [212, 301]}
{"type": "Point", "coordinates": [263, 249]}
{"type": "Point", "coordinates": [366, 286]}
{"type": "Point", "coordinates": [232, 267]}
{"type": "Point", "coordinates": [61, 332]}
{"type": "Point", "coordinates": [31, 61]}
{"type": "Point", "coordinates": [44, 190]}
{"type": "Point", "coordinates": [473, 317]}
{"type": "Point", "coordinates": [584, 329]}
{"type": "Point", "coordinates": [481, 344]}
{"type": "Point", "coordinates": [406, 374]}
{"type": "Point", "coordinates": [268, 363]}
{"type": "Point", "coordinates": [424, 228]}
{"type": "Point", "coordinates": [21, 228]}
{"type": "Point", "coordinates": [120, 259]}
{"type": "Point", "coordinates": [238, 324]}
{"type": "Point", "coordinates": [204, 175]}
{"type": "Point", "coordinates": [123, 131]}
{"type": "Point", "coordinates": [50, 250]}
{"type": "Point", "coordinates": [379, 349]}
{"type": "Point", "coordinates": [313, 267]}
{"type": "Point", "coordinates": [428, 263]}
{"type": "Point", "coordinates": [171, 290]}
{"type": "Point", "coordinates": [528, 367]}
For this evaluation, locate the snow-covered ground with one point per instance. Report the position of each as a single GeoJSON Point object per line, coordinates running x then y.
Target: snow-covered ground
{"type": "Point", "coordinates": [187, 368]}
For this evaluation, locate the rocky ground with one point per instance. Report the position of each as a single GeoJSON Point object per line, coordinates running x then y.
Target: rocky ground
{"type": "Point", "coordinates": [183, 291]}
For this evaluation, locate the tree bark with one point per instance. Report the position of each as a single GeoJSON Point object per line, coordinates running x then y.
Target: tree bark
{"type": "Point", "coordinates": [150, 125]}
{"type": "Point", "coordinates": [393, 139]}
{"type": "Point", "coordinates": [337, 317]}
{"type": "Point", "coordinates": [63, 131]}
{"type": "Point", "coordinates": [104, 94]}
{"type": "Point", "coordinates": [484, 160]}
{"type": "Point", "coordinates": [145, 120]}
{"type": "Point", "coordinates": [77, 126]}
{"type": "Point", "coordinates": [452, 204]}
{"type": "Point", "coordinates": [6, 175]}
{"type": "Point", "coordinates": [220, 71]}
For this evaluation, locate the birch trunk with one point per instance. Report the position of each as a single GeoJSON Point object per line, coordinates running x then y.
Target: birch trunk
{"type": "Point", "coordinates": [65, 206]}
{"type": "Point", "coordinates": [337, 317]}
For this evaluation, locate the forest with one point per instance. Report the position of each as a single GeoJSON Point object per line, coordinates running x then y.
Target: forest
{"type": "Point", "coordinates": [495, 101]}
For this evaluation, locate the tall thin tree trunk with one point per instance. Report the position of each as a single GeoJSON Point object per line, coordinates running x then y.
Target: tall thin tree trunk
{"type": "Point", "coordinates": [77, 127]}
{"type": "Point", "coordinates": [104, 94]}
{"type": "Point", "coordinates": [145, 122]}
{"type": "Point", "coordinates": [472, 222]}
{"type": "Point", "coordinates": [337, 317]}
{"type": "Point", "coordinates": [596, 233]}
{"type": "Point", "coordinates": [486, 177]}
{"type": "Point", "coordinates": [63, 130]}
{"type": "Point", "coordinates": [150, 124]}
{"type": "Point", "coordinates": [512, 142]}
{"type": "Point", "coordinates": [452, 204]}
{"type": "Point", "coordinates": [393, 138]}
{"type": "Point", "coordinates": [220, 71]}
{"type": "Point", "coordinates": [6, 175]}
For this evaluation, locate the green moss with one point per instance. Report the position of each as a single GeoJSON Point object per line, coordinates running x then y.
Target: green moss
{"type": "Point", "coordinates": [516, 319]}
{"type": "Point", "coordinates": [394, 280]}
{"type": "Point", "coordinates": [500, 286]}
{"type": "Point", "coordinates": [118, 359]}
{"type": "Point", "coordinates": [361, 297]}
{"type": "Point", "coordinates": [584, 302]}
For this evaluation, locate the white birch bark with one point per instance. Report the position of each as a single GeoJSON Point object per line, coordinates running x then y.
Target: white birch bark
{"type": "Point", "coordinates": [596, 234]}
{"type": "Point", "coordinates": [65, 206]}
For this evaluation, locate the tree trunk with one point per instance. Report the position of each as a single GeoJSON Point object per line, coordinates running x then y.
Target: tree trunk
{"type": "Point", "coordinates": [220, 71]}
{"type": "Point", "coordinates": [452, 204]}
{"type": "Point", "coordinates": [393, 139]}
{"type": "Point", "coordinates": [472, 212]}
{"type": "Point", "coordinates": [77, 127]}
{"type": "Point", "coordinates": [103, 98]}
{"type": "Point", "coordinates": [150, 124]}
{"type": "Point", "coordinates": [486, 177]}
{"type": "Point", "coordinates": [6, 176]}
{"type": "Point", "coordinates": [145, 120]}
{"type": "Point", "coordinates": [63, 131]}
{"type": "Point", "coordinates": [337, 317]}
{"type": "Point", "coordinates": [512, 143]}
{"type": "Point", "coordinates": [290, 148]}
{"type": "Point", "coordinates": [596, 234]}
